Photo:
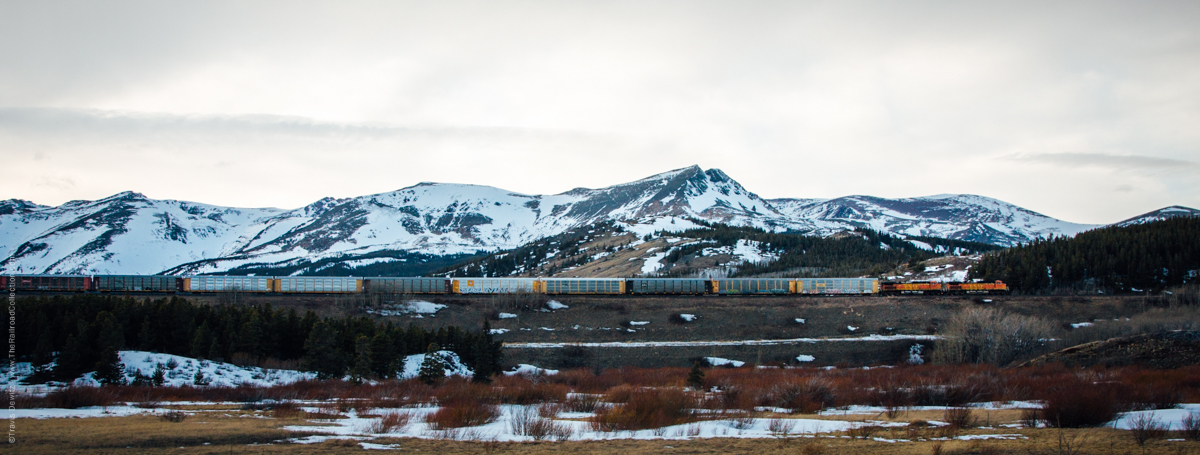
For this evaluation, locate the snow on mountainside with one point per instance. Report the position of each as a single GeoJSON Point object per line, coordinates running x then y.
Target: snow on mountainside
{"type": "Point", "coordinates": [1159, 215]}
{"type": "Point", "coordinates": [952, 216]}
{"type": "Point", "coordinates": [129, 233]}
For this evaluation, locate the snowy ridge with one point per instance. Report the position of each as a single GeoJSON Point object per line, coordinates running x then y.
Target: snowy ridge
{"type": "Point", "coordinates": [1159, 215]}
{"type": "Point", "coordinates": [128, 233]}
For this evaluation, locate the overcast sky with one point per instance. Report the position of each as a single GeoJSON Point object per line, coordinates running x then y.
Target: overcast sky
{"type": "Point", "coordinates": [1087, 112]}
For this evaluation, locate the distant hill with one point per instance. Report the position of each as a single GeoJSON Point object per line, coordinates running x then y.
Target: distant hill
{"type": "Point", "coordinates": [1137, 257]}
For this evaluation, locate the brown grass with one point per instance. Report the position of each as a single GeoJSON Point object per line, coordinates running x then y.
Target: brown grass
{"type": "Point", "coordinates": [235, 434]}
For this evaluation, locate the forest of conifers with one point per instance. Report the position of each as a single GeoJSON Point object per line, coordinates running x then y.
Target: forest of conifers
{"type": "Point", "coordinates": [1139, 258]}
{"type": "Point", "coordinates": [87, 330]}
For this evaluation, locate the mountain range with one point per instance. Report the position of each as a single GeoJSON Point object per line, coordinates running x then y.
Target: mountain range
{"type": "Point", "coordinates": [130, 233]}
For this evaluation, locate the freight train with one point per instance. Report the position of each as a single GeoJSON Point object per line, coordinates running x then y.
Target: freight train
{"type": "Point", "coordinates": [484, 285]}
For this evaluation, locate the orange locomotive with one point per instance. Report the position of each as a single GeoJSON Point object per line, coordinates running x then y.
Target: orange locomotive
{"type": "Point", "coordinates": [925, 287]}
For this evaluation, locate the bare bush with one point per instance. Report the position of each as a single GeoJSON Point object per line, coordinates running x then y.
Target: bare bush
{"type": "Point", "coordinates": [391, 422]}
{"type": "Point", "coordinates": [743, 421]}
{"type": "Point", "coordinates": [463, 414]}
{"type": "Point", "coordinates": [173, 416]}
{"type": "Point", "coordinates": [1191, 426]}
{"type": "Point", "coordinates": [647, 408]}
{"type": "Point", "coordinates": [781, 427]}
{"type": "Point", "coordinates": [581, 402]}
{"type": "Point", "coordinates": [959, 417]}
{"type": "Point", "coordinates": [527, 422]}
{"type": "Point", "coordinates": [1079, 404]}
{"type": "Point", "coordinates": [862, 430]}
{"type": "Point", "coordinates": [1145, 427]}
{"type": "Point", "coordinates": [1030, 418]}
{"type": "Point", "coordinates": [78, 397]}
{"type": "Point", "coordinates": [988, 335]}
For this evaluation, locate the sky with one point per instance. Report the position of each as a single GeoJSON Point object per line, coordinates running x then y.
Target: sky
{"type": "Point", "coordinates": [1084, 111]}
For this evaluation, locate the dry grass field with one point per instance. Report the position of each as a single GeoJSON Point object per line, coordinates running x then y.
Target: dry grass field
{"type": "Point", "coordinates": [244, 433]}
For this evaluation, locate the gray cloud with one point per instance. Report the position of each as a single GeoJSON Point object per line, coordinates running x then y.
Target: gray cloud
{"type": "Point", "coordinates": [793, 99]}
{"type": "Point", "coordinates": [1110, 161]}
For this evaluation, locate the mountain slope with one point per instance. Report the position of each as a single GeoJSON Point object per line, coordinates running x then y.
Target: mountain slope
{"type": "Point", "coordinates": [960, 217]}
{"type": "Point", "coordinates": [129, 233]}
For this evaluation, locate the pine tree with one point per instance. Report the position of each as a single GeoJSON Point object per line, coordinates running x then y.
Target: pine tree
{"type": "Point", "coordinates": [146, 336]}
{"type": "Point", "coordinates": [433, 368]}
{"type": "Point", "coordinates": [110, 370]}
{"type": "Point", "coordinates": [199, 379]}
{"type": "Point", "coordinates": [160, 375]}
{"type": "Point", "coordinates": [486, 356]}
{"type": "Point", "coordinates": [383, 355]}
{"type": "Point", "coordinates": [70, 360]}
{"type": "Point", "coordinates": [362, 360]}
{"type": "Point", "coordinates": [202, 342]}
{"type": "Point", "coordinates": [321, 353]}
{"type": "Point", "coordinates": [695, 378]}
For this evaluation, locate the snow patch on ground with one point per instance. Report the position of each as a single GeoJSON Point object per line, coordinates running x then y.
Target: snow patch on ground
{"type": "Point", "coordinates": [530, 370]}
{"type": "Point", "coordinates": [653, 263]}
{"type": "Point", "coordinates": [506, 316]}
{"type": "Point", "coordinates": [354, 427]}
{"type": "Point", "coordinates": [454, 365]}
{"type": "Point", "coordinates": [805, 358]}
{"type": "Point", "coordinates": [717, 362]}
{"type": "Point", "coordinates": [676, 344]}
{"type": "Point", "coordinates": [556, 305]}
{"type": "Point", "coordinates": [1173, 417]}
{"type": "Point", "coordinates": [181, 371]}
{"type": "Point", "coordinates": [687, 317]}
{"type": "Point", "coordinates": [638, 322]}
{"type": "Point", "coordinates": [418, 307]}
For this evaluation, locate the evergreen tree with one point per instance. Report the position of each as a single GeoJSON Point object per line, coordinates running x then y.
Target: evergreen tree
{"type": "Point", "coordinates": [70, 361]}
{"type": "Point", "coordinates": [433, 367]}
{"type": "Point", "coordinates": [362, 360]}
{"type": "Point", "coordinates": [321, 352]}
{"type": "Point", "coordinates": [486, 356]}
{"type": "Point", "coordinates": [695, 378]}
{"type": "Point", "coordinates": [146, 336]}
{"type": "Point", "coordinates": [109, 369]}
{"type": "Point", "coordinates": [201, 342]}
{"type": "Point", "coordinates": [109, 332]}
{"type": "Point", "coordinates": [160, 375]}
{"type": "Point", "coordinates": [383, 355]}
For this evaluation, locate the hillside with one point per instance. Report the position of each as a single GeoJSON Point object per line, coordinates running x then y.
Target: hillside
{"type": "Point", "coordinates": [1136, 257]}
{"type": "Point", "coordinates": [707, 249]}
{"type": "Point", "coordinates": [414, 229]}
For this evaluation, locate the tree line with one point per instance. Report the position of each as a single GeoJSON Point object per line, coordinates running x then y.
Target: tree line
{"type": "Point", "coordinates": [1145, 257]}
{"type": "Point", "coordinates": [83, 333]}
{"type": "Point", "coordinates": [852, 253]}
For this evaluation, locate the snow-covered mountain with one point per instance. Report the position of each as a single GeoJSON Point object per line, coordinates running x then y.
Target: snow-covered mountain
{"type": "Point", "coordinates": [951, 216]}
{"type": "Point", "coordinates": [1159, 215]}
{"type": "Point", "coordinates": [129, 233]}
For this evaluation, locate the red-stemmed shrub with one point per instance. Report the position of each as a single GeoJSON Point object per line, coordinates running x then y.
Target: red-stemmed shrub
{"type": "Point", "coordinates": [462, 414]}
{"type": "Point", "coordinates": [648, 408]}
{"type": "Point", "coordinates": [1079, 403]}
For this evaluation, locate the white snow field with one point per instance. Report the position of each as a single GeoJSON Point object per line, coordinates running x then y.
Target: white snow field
{"type": "Point", "coordinates": [181, 371]}
{"type": "Point", "coordinates": [657, 344]}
